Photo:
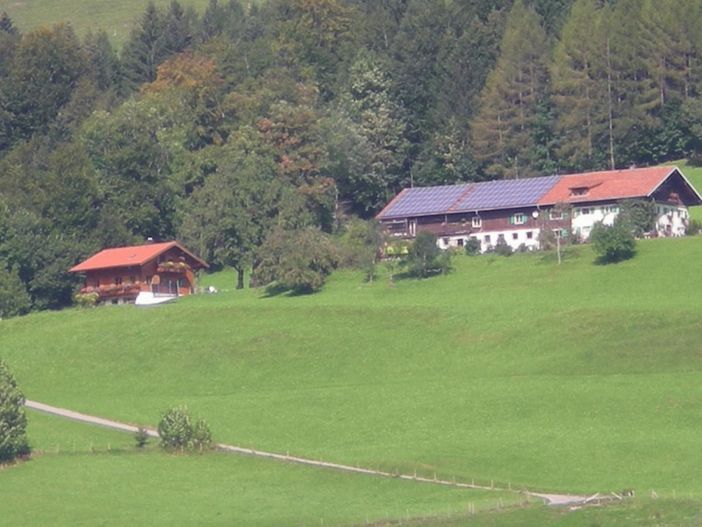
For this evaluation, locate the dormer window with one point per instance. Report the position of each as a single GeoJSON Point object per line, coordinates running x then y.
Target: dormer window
{"type": "Point", "coordinates": [579, 191]}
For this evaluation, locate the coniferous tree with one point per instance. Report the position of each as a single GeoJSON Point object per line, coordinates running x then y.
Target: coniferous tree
{"type": "Point", "coordinates": [103, 62]}
{"type": "Point", "coordinates": [579, 93]}
{"type": "Point", "coordinates": [146, 48]}
{"type": "Point", "coordinates": [503, 130]}
{"type": "Point", "coordinates": [178, 32]}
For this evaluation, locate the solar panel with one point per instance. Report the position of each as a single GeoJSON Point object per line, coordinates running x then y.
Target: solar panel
{"type": "Point", "coordinates": [490, 195]}
{"type": "Point", "coordinates": [422, 201]}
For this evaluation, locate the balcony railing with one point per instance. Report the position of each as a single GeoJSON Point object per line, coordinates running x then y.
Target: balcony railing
{"type": "Point", "coordinates": [173, 267]}
{"type": "Point", "coordinates": [112, 290]}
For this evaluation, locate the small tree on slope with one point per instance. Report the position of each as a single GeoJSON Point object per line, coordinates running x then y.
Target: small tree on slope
{"type": "Point", "coordinates": [13, 422]}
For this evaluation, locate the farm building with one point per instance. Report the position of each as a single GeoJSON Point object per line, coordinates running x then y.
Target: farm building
{"type": "Point", "coordinates": [517, 211]}
{"type": "Point", "coordinates": [159, 271]}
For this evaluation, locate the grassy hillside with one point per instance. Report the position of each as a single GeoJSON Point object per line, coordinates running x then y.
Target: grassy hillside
{"type": "Point", "coordinates": [81, 475]}
{"type": "Point", "coordinates": [114, 16]}
{"type": "Point", "coordinates": [579, 377]}
{"type": "Point", "coordinates": [76, 480]}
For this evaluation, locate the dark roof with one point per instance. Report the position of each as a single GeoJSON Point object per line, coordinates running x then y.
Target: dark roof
{"type": "Point", "coordinates": [506, 194]}
{"type": "Point", "coordinates": [424, 201]}
{"type": "Point", "coordinates": [468, 197]}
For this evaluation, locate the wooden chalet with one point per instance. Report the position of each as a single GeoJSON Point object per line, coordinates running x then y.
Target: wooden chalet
{"type": "Point", "coordinates": [516, 212]}
{"type": "Point", "coordinates": [160, 270]}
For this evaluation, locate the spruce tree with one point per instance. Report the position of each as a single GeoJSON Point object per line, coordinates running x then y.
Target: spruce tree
{"type": "Point", "coordinates": [579, 93]}
{"type": "Point", "coordinates": [146, 48]}
{"type": "Point", "coordinates": [13, 422]}
{"type": "Point", "coordinates": [503, 130]}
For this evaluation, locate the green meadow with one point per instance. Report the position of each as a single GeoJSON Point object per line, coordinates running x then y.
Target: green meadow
{"type": "Point", "coordinates": [578, 378]}
{"type": "Point", "coordinates": [116, 17]}
{"type": "Point", "coordinates": [82, 475]}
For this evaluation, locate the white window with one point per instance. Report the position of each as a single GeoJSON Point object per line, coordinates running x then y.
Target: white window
{"type": "Point", "coordinates": [515, 236]}
{"type": "Point", "coordinates": [518, 219]}
{"type": "Point", "coordinates": [585, 211]}
{"type": "Point", "coordinates": [554, 214]}
{"type": "Point", "coordinates": [487, 238]}
{"type": "Point", "coordinates": [477, 222]}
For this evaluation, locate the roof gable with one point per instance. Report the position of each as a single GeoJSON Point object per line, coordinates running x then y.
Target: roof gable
{"type": "Point", "coordinates": [133, 256]}
{"type": "Point", "coordinates": [607, 185]}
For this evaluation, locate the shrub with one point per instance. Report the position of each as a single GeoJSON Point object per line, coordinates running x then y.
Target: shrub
{"type": "Point", "coordinates": [638, 215]}
{"type": "Point", "coordinates": [177, 432]}
{"type": "Point", "coordinates": [425, 257]}
{"type": "Point", "coordinates": [613, 244]}
{"type": "Point", "coordinates": [695, 227]}
{"type": "Point", "coordinates": [473, 247]}
{"type": "Point", "coordinates": [141, 437]}
{"type": "Point", "coordinates": [13, 422]}
{"type": "Point", "coordinates": [86, 299]}
{"type": "Point", "coordinates": [299, 260]}
{"type": "Point", "coordinates": [503, 248]}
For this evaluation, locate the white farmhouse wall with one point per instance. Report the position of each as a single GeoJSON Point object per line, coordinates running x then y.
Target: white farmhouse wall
{"type": "Point", "coordinates": [670, 220]}
{"type": "Point", "coordinates": [514, 238]}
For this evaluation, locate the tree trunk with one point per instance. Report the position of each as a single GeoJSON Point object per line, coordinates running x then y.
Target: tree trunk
{"type": "Point", "coordinates": [240, 279]}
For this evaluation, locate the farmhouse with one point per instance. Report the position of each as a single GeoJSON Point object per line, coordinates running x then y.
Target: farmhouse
{"type": "Point", "coordinates": [156, 270]}
{"type": "Point", "coordinates": [516, 212]}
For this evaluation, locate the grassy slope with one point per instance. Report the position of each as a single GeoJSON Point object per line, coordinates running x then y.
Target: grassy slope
{"type": "Point", "coordinates": [84, 483]}
{"type": "Point", "coordinates": [114, 16]}
{"type": "Point", "coordinates": [578, 378]}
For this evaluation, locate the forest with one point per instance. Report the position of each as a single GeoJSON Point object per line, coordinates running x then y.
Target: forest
{"type": "Point", "coordinates": [248, 130]}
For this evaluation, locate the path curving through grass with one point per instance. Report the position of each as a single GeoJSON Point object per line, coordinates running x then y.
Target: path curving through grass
{"type": "Point", "coordinates": [550, 499]}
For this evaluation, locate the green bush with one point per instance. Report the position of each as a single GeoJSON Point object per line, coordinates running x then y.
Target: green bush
{"type": "Point", "coordinates": [473, 247]}
{"type": "Point", "coordinates": [425, 257]}
{"type": "Point", "coordinates": [86, 299]}
{"type": "Point", "coordinates": [503, 248]}
{"type": "Point", "coordinates": [178, 433]}
{"type": "Point", "coordinates": [613, 244]}
{"type": "Point", "coordinates": [13, 422]}
{"type": "Point", "coordinates": [298, 260]}
{"type": "Point", "coordinates": [695, 227]}
{"type": "Point", "coordinates": [141, 437]}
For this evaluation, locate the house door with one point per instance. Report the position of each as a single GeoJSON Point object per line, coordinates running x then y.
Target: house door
{"type": "Point", "coordinates": [412, 227]}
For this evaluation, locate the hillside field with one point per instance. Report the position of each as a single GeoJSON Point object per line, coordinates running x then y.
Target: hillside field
{"type": "Point", "coordinates": [577, 378]}
{"type": "Point", "coordinates": [114, 16]}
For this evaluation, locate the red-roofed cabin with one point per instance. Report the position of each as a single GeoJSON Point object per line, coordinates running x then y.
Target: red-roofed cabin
{"type": "Point", "coordinates": [118, 275]}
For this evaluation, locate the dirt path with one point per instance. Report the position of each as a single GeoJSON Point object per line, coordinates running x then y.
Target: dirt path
{"type": "Point", "coordinates": [550, 499]}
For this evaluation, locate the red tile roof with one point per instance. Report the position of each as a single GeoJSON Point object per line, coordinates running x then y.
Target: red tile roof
{"type": "Point", "coordinates": [136, 255]}
{"type": "Point", "coordinates": [607, 185]}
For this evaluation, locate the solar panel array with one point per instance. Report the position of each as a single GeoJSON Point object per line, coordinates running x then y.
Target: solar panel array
{"type": "Point", "coordinates": [422, 201]}
{"type": "Point", "coordinates": [506, 193]}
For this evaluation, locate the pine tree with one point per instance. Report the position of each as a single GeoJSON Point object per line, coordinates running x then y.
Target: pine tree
{"type": "Point", "coordinates": [414, 54]}
{"type": "Point", "coordinates": [6, 24]}
{"type": "Point", "coordinates": [579, 93]}
{"type": "Point", "coordinates": [178, 32]}
{"type": "Point", "coordinates": [146, 48]}
{"type": "Point", "coordinates": [503, 131]}
{"type": "Point", "coordinates": [104, 65]}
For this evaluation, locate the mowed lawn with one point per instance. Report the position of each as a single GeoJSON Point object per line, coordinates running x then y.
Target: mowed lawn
{"type": "Point", "coordinates": [117, 17]}
{"type": "Point", "coordinates": [573, 378]}
{"type": "Point", "coordinates": [84, 475]}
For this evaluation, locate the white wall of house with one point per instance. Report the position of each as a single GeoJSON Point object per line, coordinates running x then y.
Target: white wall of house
{"type": "Point", "coordinates": [514, 238]}
{"type": "Point", "coordinates": [671, 220]}
{"type": "Point", "coordinates": [585, 217]}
